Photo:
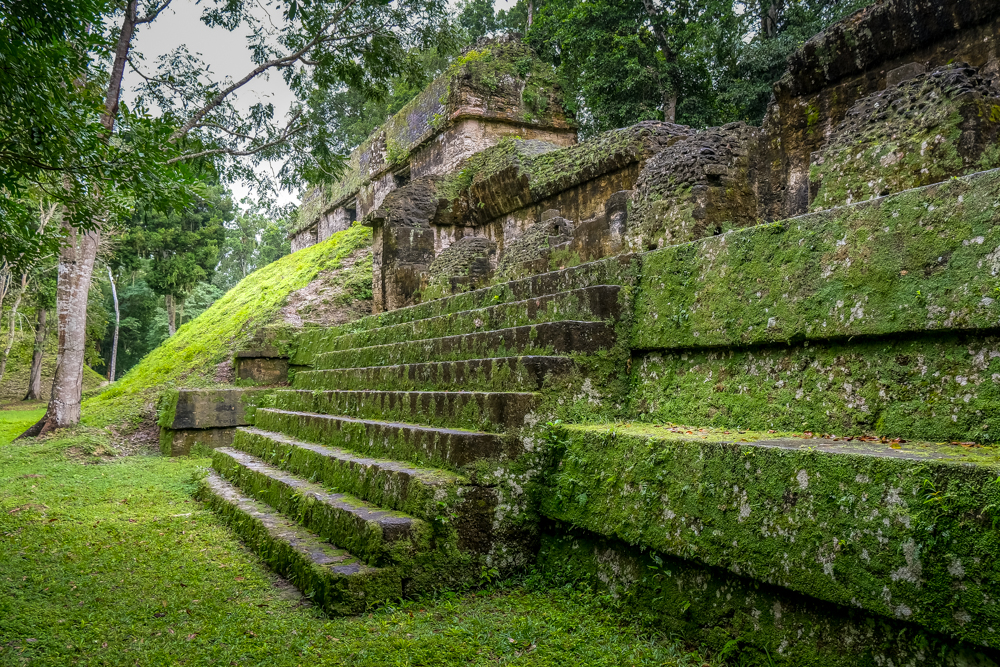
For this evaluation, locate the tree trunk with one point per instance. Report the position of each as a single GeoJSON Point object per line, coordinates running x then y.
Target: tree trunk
{"type": "Point", "coordinates": [531, 12]}
{"type": "Point", "coordinates": [669, 105]}
{"type": "Point", "coordinates": [118, 320]}
{"type": "Point", "coordinates": [771, 13]}
{"type": "Point", "coordinates": [171, 315]}
{"type": "Point", "coordinates": [76, 268]}
{"type": "Point", "coordinates": [669, 91]}
{"type": "Point", "coordinates": [35, 379]}
{"type": "Point", "coordinates": [12, 324]}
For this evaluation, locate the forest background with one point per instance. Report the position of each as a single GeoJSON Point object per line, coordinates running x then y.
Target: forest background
{"type": "Point", "coordinates": [174, 240]}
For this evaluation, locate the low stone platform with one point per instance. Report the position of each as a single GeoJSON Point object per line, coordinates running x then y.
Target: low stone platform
{"type": "Point", "coordinates": [902, 530]}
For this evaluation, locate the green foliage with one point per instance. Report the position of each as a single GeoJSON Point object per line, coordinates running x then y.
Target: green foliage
{"type": "Point", "coordinates": [719, 63]}
{"type": "Point", "coordinates": [181, 246]}
{"type": "Point", "coordinates": [255, 237]}
{"type": "Point", "coordinates": [189, 357]}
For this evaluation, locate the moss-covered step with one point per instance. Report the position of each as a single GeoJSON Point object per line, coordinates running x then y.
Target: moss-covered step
{"type": "Point", "coordinates": [520, 374]}
{"type": "Point", "coordinates": [421, 492]}
{"type": "Point", "coordinates": [741, 620]}
{"type": "Point", "coordinates": [544, 339]}
{"type": "Point", "coordinates": [451, 448]}
{"type": "Point", "coordinates": [619, 270]}
{"type": "Point", "coordinates": [922, 260]}
{"type": "Point", "coordinates": [332, 578]}
{"type": "Point", "coordinates": [929, 387]}
{"type": "Point", "coordinates": [907, 531]}
{"type": "Point", "coordinates": [379, 537]}
{"type": "Point", "coordinates": [487, 411]}
{"type": "Point", "coordinates": [597, 303]}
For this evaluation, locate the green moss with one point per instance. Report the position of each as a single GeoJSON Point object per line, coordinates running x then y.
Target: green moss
{"type": "Point", "coordinates": [843, 522]}
{"type": "Point", "coordinates": [188, 358]}
{"type": "Point", "coordinates": [921, 260]}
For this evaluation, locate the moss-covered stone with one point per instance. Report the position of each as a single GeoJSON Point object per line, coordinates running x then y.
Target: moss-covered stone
{"type": "Point", "coordinates": [922, 260]}
{"type": "Point", "coordinates": [696, 187]}
{"type": "Point", "coordinates": [925, 130]}
{"type": "Point", "coordinates": [901, 530]}
{"type": "Point", "coordinates": [743, 621]}
{"type": "Point", "coordinates": [501, 81]}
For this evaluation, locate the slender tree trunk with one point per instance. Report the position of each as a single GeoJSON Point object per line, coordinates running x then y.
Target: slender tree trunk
{"type": "Point", "coordinates": [171, 314]}
{"type": "Point", "coordinates": [11, 326]}
{"type": "Point", "coordinates": [531, 12]}
{"type": "Point", "coordinates": [669, 91]}
{"type": "Point", "coordinates": [118, 320]}
{"type": "Point", "coordinates": [35, 378]}
{"type": "Point", "coordinates": [76, 268]}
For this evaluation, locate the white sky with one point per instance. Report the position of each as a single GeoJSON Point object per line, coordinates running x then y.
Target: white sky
{"type": "Point", "coordinates": [225, 52]}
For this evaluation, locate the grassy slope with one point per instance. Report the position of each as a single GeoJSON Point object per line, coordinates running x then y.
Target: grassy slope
{"type": "Point", "coordinates": [190, 356]}
{"type": "Point", "coordinates": [109, 561]}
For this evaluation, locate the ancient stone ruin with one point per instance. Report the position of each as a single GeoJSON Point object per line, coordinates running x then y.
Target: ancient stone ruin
{"type": "Point", "coordinates": [772, 352]}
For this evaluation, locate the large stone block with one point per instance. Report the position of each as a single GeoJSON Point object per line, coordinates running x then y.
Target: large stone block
{"type": "Point", "coordinates": [206, 417]}
{"type": "Point", "coordinates": [898, 529]}
{"type": "Point", "coordinates": [923, 260]}
{"type": "Point", "coordinates": [924, 130]}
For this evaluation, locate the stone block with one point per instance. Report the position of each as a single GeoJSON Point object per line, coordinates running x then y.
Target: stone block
{"type": "Point", "coordinates": [925, 130]}
{"type": "Point", "coordinates": [207, 417]}
{"type": "Point", "coordinates": [896, 529]}
{"type": "Point", "coordinates": [180, 443]}
{"type": "Point", "coordinates": [262, 370]}
{"type": "Point", "coordinates": [903, 73]}
{"type": "Point", "coordinates": [922, 260]}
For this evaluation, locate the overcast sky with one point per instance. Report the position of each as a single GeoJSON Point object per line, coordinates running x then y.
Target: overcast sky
{"type": "Point", "coordinates": [225, 52]}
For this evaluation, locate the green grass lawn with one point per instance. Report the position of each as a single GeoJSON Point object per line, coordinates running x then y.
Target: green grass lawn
{"type": "Point", "coordinates": [108, 561]}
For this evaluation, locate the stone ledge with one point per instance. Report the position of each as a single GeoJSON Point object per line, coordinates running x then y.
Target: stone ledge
{"type": "Point", "coordinates": [926, 259]}
{"type": "Point", "coordinates": [905, 531]}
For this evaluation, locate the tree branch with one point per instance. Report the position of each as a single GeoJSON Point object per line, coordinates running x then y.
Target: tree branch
{"type": "Point", "coordinates": [118, 69]}
{"type": "Point", "coordinates": [257, 71]}
{"type": "Point", "coordinates": [150, 17]}
{"type": "Point", "coordinates": [286, 134]}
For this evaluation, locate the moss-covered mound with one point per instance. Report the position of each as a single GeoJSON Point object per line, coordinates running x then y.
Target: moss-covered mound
{"type": "Point", "coordinates": [190, 357]}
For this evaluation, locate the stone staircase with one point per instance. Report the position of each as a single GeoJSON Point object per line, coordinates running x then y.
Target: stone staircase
{"type": "Point", "coordinates": [401, 460]}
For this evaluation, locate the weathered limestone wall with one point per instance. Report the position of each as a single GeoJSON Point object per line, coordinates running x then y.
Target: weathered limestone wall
{"type": "Point", "coordinates": [495, 90]}
{"type": "Point", "coordinates": [509, 194]}
{"type": "Point", "coordinates": [868, 52]}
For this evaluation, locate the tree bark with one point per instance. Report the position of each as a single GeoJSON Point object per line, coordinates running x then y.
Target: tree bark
{"type": "Point", "coordinates": [12, 323]}
{"type": "Point", "coordinates": [531, 12]}
{"type": "Point", "coordinates": [35, 378]}
{"type": "Point", "coordinates": [76, 268]}
{"type": "Point", "coordinates": [171, 314]}
{"type": "Point", "coordinates": [118, 319]}
{"type": "Point", "coordinates": [669, 91]}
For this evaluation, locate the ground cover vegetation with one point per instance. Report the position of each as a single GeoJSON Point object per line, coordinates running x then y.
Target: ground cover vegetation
{"type": "Point", "coordinates": [77, 590]}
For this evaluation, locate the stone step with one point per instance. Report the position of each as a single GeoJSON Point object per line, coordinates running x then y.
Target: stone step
{"type": "Point", "coordinates": [451, 448]}
{"type": "Point", "coordinates": [597, 303]}
{"type": "Point", "coordinates": [332, 578]}
{"type": "Point", "coordinates": [520, 374]}
{"type": "Point", "coordinates": [480, 410]}
{"type": "Point", "coordinates": [618, 270]}
{"type": "Point", "coordinates": [424, 493]}
{"type": "Point", "coordinates": [549, 338]}
{"type": "Point", "coordinates": [379, 537]}
{"type": "Point", "coordinates": [897, 528]}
